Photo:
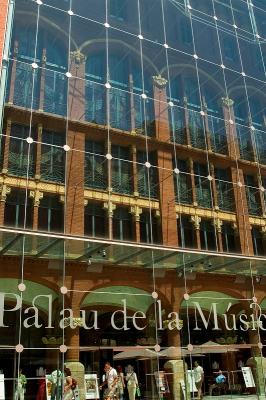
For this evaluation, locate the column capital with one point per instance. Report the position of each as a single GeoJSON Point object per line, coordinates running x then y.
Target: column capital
{"type": "Point", "coordinates": [136, 211]}
{"type": "Point", "coordinates": [4, 191]}
{"type": "Point", "coordinates": [77, 56]}
{"type": "Point", "coordinates": [226, 101]}
{"type": "Point", "coordinates": [218, 223]}
{"type": "Point", "coordinates": [196, 220]}
{"type": "Point", "coordinates": [36, 195]}
{"type": "Point", "coordinates": [109, 207]}
{"type": "Point", "coordinates": [159, 81]}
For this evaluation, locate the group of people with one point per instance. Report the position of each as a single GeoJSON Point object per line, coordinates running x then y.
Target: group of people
{"type": "Point", "coordinates": [115, 382]}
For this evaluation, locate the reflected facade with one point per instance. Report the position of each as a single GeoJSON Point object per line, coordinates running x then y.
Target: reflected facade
{"type": "Point", "coordinates": [132, 184]}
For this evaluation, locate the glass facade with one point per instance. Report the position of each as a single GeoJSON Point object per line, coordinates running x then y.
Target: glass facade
{"type": "Point", "coordinates": [132, 197]}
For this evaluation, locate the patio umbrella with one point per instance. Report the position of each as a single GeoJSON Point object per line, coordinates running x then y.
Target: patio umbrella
{"type": "Point", "coordinates": [139, 353]}
{"type": "Point", "coordinates": [212, 348]}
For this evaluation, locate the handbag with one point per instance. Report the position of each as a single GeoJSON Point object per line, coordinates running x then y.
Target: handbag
{"type": "Point", "coordinates": [138, 394]}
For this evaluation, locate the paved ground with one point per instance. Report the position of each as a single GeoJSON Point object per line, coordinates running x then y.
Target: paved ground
{"type": "Point", "coordinates": [231, 397]}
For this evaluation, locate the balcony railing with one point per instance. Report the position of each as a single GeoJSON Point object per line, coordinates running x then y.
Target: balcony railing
{"type": "Point", "coordinates": [20, 164]}
{"type": "Point", "coordinates": [217, 134]}
{"type": "Point", "coordinates": [196, 130]}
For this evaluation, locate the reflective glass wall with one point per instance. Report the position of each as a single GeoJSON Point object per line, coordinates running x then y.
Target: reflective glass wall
{"type": "Point", "coordinates": [133, 174]}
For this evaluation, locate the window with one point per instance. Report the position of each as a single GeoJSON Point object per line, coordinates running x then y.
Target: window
{"type": "Point", "coordinates": [21, 158]}
{"type": "Point", "coordinates": [53, 157]}
{"type": "Point", "coordinates": [147, 177]}
{"type": "Point", "coordinates": [202, 184]}
{"type": "Point", "coordinates": [228, 238]}
{"type": "Point", "coordinates": [229, 49]}
{"type": "Point", "coordinates": [15, 209]}
{"type": "Point", "coordinates": [207, 235]}
{"type": "Point", "coordinates": [118, 9]}
{"type": "Point", "coordinates": [258, 244]}
{"type": "Point", "coordinates": [95, 165]}
{"type": "Point", "coordinates": [122, 224]}
{"type": "Point", "coordinates": [186, 232]}
{"type": "Point", "coordinates": [224, 187]}
{"type": "Point", "coordinates": [253, 196]}
{"type": "Point", "coordinates": [121, 170]}
{"type": "Point", "coordinates": [182, 183]}
{"type": "Point", "coordinates": [185, 30]}
{"type": "Point", "coordinates": [146, 234]}
{"type": "Point", "coordinates": [51, 214]}
{"type": "Point", "coordinates": [95, 220]}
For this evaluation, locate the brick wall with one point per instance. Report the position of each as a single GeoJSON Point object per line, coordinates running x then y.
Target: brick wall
{"type": "Point", "coordinates": [3, 17]}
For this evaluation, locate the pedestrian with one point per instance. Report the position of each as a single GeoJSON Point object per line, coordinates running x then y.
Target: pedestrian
{"type": "Point", "coordinates": [21, 386]}
{"type": "Point", "coordinates": [132, 382]}
{"type": "Point", "coordinates": [111, 380]}
{"type": "Point", "coordinates": [120, 383]}
{"type": "Point", "coordinates": [198, 378]}
{"type": "Point", "coordinates": [68, 384]}
{"type": "Point", "coordinates": [56, 380]}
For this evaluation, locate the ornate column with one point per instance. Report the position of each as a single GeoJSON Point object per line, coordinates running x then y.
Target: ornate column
{"type": "Point", "coordinates": [242, 212]}
{"type": "Point", "coordinates": [36, 195]}
{"type": "Point", "coordinates": [6, 147]}
{"type": "Point", "coordinates": [206, 126]}
{"type": "Point", "coordinates": [196, 220]}
{"type": "Point", "coordinates": [4, 191]}
{"type": "Point", "coordinates": [110, 207]}
{"type": "Point", "coordinates": [13, 73]}
{"type": "Point", "coordinates": [76, 96]}
{"type": "Point", "coordinates": [213, 186]}
{"type": "Point", "coordinates": [218, 224]}
{"type": "Point", "coordinates": [134, 170]}
{"type": "Point", "coordinates": [136, 211]}
{"type": "Point", "coordinates": [132, 105]}
{"type": "Point", "coordinates": [161, 108]}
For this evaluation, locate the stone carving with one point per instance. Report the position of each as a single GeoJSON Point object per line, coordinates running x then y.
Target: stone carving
{"type": "Point", "coordinates": [36, 195]}
{"type": "Point", "coordinates": [109, 207]}
{"type": "Point", "coordinates": [226, 101]}
{"type": "Point", "coordinates": [77, 57]}
{"type": "Point", "coordinates": [196, 220]}
{"type": "Point", "coordinates": [159, 81]}
{"type": "Point", "coordinates": [5, 190]}
{"type": "Point", "coordinates": [136, 211]}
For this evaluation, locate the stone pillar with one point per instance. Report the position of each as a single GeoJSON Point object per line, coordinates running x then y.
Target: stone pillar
{"type": "Point", "coordinates": [136, 211]}
{"type": "Point", "coordinates": [76, 97]}
{"type": "Point", "coordinates": [134, 170]}
{"type": "Point", "coordinates": [74, 201]}
{"type": "Point", "coordinates": [110, 207]}
{"type": "Point", "coordinates": [72, 356]}
{"type": "Point", "coordinates": [36, 195]}
{"type": "Point", "coordinates": [196, 220]}
{"type": "Point", "coordinates": [218, 227]}
{"type": "Point", "coordinates": [42, 80]}
{"type": "Point", "coordinates": [242, 213]}
{"type": "Point", "coordinates": [167, 198]}
{"type": "Point", "coordinates": [161, 109]}
{"type": "Point", "coordinates": [13, 73]}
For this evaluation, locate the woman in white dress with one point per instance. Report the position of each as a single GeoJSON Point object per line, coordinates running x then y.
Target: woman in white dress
{"type": "Point", "coordinates": [132, 382]}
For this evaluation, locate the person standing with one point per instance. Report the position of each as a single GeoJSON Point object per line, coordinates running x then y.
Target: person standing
{"type": "Point", "coordinates": [199, 378]}
{"type": "Point", "coordinates": [111, 380]}
{"type": "Point", "coordinates": [120, 383]}
{"type": "Point", "coordinates": [21, 386]}
{"type": "Point", "coordinates": [56, 380]}
{"type": "Point", "coordinates": [68, 381]}
{"type": "Point", "coordinates": [132, 382]}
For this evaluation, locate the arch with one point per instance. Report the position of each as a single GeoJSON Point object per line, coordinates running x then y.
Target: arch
{"type": "Point", "coordinates": [121, 44]}
{"type": "Point", "coordinates": [33, 289]}
{"type": "Point", "coordinates": [203, 297]}
{"type": "Point", "coordinates": [136, 299]}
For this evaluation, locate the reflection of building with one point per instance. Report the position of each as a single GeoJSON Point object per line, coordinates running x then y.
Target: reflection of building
{"type": "Point", "coordinates": [135, 134]}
